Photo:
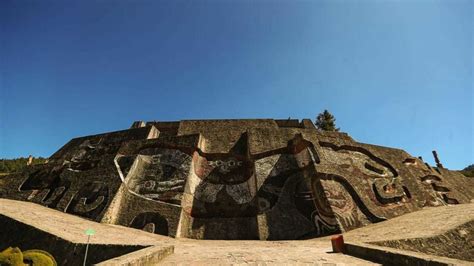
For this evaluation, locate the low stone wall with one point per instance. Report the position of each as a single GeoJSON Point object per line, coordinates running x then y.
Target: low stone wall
{"type": "Point", "coordinates": [390, 256]}
{"type": "Point", "coordinates": [147, 256]}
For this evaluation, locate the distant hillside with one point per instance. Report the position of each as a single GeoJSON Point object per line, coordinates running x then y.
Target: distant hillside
{"type": "Point", "coordinates": [468, 171]}
{"type": "Point", "coordinates": [15, 165]}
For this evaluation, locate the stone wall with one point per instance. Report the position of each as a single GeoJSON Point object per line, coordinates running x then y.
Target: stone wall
{"type": "Point", "coordinates": [235, 179]}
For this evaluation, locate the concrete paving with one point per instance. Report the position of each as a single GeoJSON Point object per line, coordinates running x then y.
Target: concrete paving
{"type": "Point", "coordinates": [236, 252]}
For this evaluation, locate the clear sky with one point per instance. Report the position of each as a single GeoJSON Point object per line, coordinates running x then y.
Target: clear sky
{"type": "Point", "coordinates": [394, 73]}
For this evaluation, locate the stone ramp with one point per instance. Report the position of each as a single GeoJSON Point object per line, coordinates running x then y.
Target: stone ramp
{"type": "Point", "coordinates": [437, 236]}
{"type": "Point", "coordinates": [31, 226]}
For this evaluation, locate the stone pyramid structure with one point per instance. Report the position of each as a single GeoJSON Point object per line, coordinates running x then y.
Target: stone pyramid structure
{"type": "Point", "coordinates": [235, 179]}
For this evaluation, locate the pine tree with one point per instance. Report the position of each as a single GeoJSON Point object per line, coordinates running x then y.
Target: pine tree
{"type": "Point", "coordinates": [326, 121]}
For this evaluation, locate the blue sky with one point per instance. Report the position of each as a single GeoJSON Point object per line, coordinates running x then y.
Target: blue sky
{"type": "Point", "coordinates": [394, 73]}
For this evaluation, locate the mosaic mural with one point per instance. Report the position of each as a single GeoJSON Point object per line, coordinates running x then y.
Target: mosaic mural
{"type": "Point", "coordinates": [235, 179]}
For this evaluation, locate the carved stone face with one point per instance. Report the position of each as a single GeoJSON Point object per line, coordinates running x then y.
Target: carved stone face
{"type": "Point", "coordinates": [234, 185]}
{"type": "Point", "coordinates": [222, 169]}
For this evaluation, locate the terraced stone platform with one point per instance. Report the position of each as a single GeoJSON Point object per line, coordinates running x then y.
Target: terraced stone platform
{"type": "Point", "coordinates": [443, 231]}
{"type": "Point", "coordinates": [431, 234]}
{"type": "Point", "coordinates": [32, 226]}
{"type": "Point", "coordinates": [243, 179]}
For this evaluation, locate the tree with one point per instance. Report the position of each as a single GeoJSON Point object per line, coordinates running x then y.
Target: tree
{"type": "Point", "coordinates": [17, 164]}
{"type": "Point", "coordinates": [468, 171]}
{"type": "Point", "coordinates": [326, 121]}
